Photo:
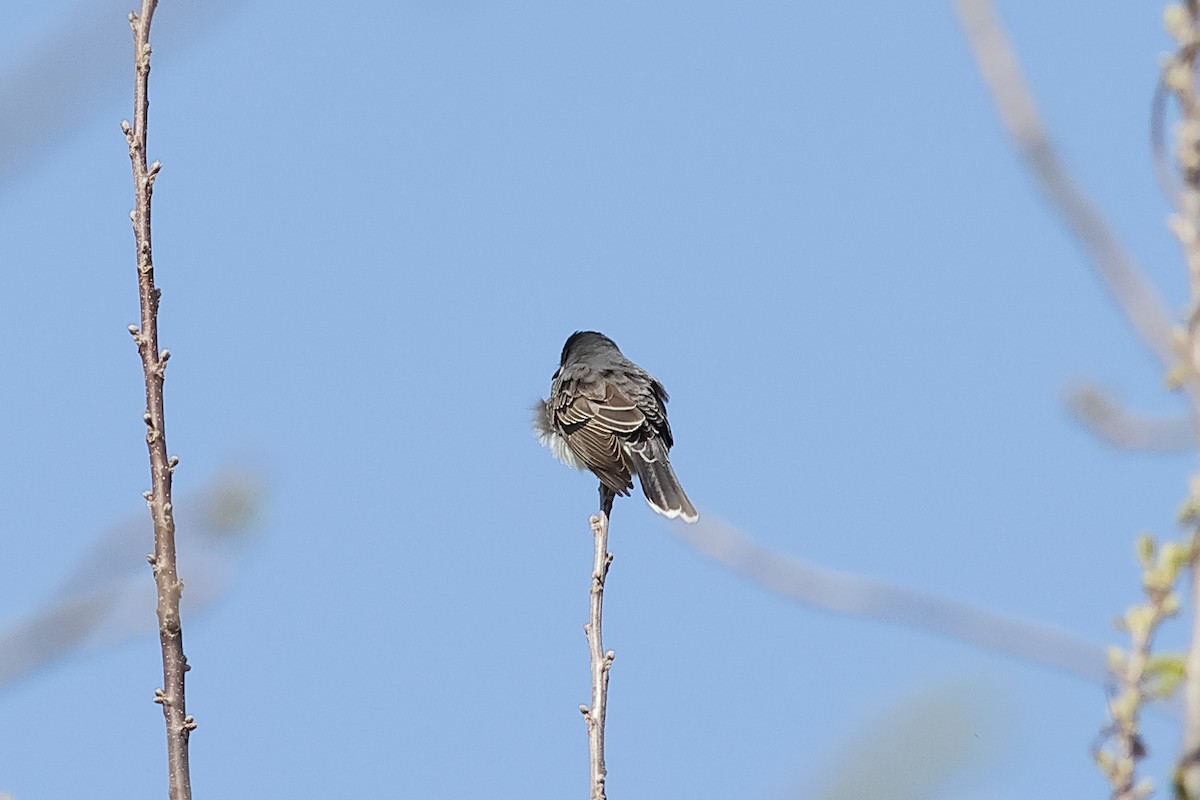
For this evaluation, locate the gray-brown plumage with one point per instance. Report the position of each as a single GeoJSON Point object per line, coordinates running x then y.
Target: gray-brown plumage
{"type": "Point", "coordinates": [609, 415]}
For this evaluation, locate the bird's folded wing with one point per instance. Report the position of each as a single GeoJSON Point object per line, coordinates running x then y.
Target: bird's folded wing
{"type": "Point", "coordinates": [595, 423]}
{"type": "Point", "coordinates": [618, 413]}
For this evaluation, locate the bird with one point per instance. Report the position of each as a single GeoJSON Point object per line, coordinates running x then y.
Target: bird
{"type": "Point", "coordinates": [608, 415]}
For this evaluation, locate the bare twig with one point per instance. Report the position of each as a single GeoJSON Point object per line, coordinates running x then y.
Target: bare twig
{"type": "Point", "coordinates": [856, 595]}
{"type": "Point", "coordinates": [997, 61]}
{"type": "Point", "coordinates": [601, 660]}
{"type": "Point", "coordinates": [170, 631]}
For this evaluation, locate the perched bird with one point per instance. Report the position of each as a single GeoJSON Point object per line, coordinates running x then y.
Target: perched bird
{"type": "Point", "coordinates": [607, 414]}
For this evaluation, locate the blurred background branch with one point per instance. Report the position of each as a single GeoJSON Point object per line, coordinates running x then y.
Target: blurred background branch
{"type": "Point", "coordinates": [103, 602]}
{"type": "Point", "coordinates": [961, 724]}
{"type": "Point", "coordinates": [1110, 421]}
{"type": "Point", "coordinates": [75, 73]}
{"type": "Point", "coordinates": [858, 596]}
{"type": "Point", "coordinates": [1001, 71]}
{"type": "Point", "coordinates": [1148, 314]}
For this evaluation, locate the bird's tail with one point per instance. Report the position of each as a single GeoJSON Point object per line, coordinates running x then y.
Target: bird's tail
{"type": "Point", "coordinates": [659, 484]}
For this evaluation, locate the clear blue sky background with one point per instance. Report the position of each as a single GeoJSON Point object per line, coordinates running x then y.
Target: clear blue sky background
{"type": "Point", "coordinates": [375, 226]}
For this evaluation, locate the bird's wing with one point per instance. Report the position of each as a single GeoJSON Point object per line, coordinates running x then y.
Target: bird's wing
{"type": "Point", "coordinates": [650, 398]}
{"type": "Point", "coordinates": [595, 422]}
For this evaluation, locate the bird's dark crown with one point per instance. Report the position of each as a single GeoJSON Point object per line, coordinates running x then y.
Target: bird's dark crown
{"type": "Point", "coordinates": [580, 340]}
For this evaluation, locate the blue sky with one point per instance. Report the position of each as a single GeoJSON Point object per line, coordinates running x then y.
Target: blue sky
{"type": "Point", "coordinates": [373, 230]}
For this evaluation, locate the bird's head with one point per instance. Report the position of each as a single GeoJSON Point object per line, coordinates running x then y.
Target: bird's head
{"type": "Point", "coordinates": [584, 343]}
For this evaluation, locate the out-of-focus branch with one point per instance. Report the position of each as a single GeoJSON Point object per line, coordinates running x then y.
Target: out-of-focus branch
{"type": "Point", "coordinates": [601, 660]}
{"type": "Point", "coordinates": [102, 602]}
{"type": "Point", "coordinates": [71, 75]}
{"type": "Point", "coordinates": [962, 726]}
{"type": "Point", "coordinates": [1111, 422]}
{"type": "Point", "coordinates": [1142, 305]}
{"type": "Point", "coordinates": [1179, 77]}
{"type": "Point", "coordinates": [855, 595]}
{"type": "Point", "coordinates": [154, 362]}
{"type": "Point", "coordinates": [1125, 279]}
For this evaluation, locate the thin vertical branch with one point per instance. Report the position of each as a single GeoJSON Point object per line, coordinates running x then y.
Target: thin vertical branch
{"type": "Point", "coordinates": [170, 631]}
{"type": "Point", "coordinates": [601, 660]}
